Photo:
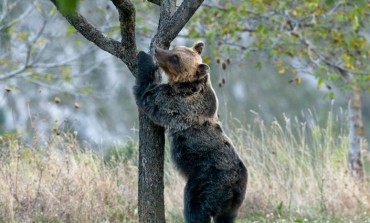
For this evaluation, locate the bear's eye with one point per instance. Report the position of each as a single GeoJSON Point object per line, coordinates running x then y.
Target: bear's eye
{"type": "Point", "coordinates": [174, 59]}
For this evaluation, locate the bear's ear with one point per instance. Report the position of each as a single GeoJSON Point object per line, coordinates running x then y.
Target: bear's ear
{"type": "Point", "coordinates": [199, 46]}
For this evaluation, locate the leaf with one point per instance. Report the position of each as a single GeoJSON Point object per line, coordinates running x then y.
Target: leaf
{"type": "Point", "coordinates": [206, 60]}
{"type": "Point", "coordinates": [22, 36]}
{"type": "Point", "coordinates": [70, 30]}
{"type": "Point", "coordinates": [67, 6]}
{"type": "Point", "coordinates": [244, 11]}
{"type": "Point", "coordinates": [193, 33]}
{"type": "Point", "coordinates": [282, 70]}
{"type": "Point", "coordinates": [66, 73]}
{"type": "Point", "coordinates": [330, 2]}
{"type": "Point", "coordinates": [313, 5]}
{"type": "Point", "coordinates": [333, 77]}
{"type": "Point", "coordinates": [355, 23]}
{"type": "Point", "coordinates": [294, 72]}
{"type": "Point", "coordinates": [320, 82]}
{"type": "Point", "coordinates": [298, 81]}
{"type": "Point", "coordinates": [52, 11]}
{"type": "Point", "coordinates": [4, 61]}
{"type": "Point", "coordinates": [40, 42]}
{"type": "Point", "coordinates": [260, 27]}
{"type": "Point", "coordinates": [37, 7]}
{"type": "Point", "coordinates": [279, 63]}
{"type": "Point", "coordinates": [310, 53]}
{"type": "Point", "coordinates": [210, 34]}
{"type": "Point", "coordinates": [259, 66]}
{"type": "Point", "coordinates": [331, 95]}
{"type": "Point", "coordinates": [86, 90]}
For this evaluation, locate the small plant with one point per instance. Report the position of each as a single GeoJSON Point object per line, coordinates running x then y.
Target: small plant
{"type": "Point", "coordinates": [122, 153]}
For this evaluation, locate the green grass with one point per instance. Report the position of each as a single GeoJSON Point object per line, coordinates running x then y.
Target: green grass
{"type": "Point", "coordinates": [297, 173]}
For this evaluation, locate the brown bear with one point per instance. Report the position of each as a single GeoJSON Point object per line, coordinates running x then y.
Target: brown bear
{"type": "Point", "coordinates": [187, 108]}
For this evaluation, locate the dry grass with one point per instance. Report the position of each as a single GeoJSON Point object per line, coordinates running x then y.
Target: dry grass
{"type": "Point", "coordinates": [57, 182]}
{"type": "Point", "coordinates": [297, 171]}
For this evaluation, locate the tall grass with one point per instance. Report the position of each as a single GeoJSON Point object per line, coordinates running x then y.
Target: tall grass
{"type": "Point", "coordinates": [297, 173]}
{"type": "Point", "coordinates": [59, 182]}
{"type": "Point", "coordinates": [298, 169]}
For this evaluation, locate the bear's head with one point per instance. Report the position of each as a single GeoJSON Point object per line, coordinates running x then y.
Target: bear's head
{"type": "Point", "coordinates": [181, 63]}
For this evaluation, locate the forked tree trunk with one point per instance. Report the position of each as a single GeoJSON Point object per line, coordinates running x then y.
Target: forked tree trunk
{"type": "Point", "coordinates": [356, 131]}
{"type": "Point", "coordinates": [151, 148]}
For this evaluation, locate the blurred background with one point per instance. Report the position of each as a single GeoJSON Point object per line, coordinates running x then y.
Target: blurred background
{"type": "Point", "coordinates": [52, 79]}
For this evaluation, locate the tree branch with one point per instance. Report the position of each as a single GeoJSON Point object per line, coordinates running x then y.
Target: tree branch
{"type": "Point", "coordinates": [91, 33]}
{"type": "Point", "coordinates": [126, 12]}
{"type": "Point", "coordinates": [168, 31]}
{"type": "Point", "coordinates": [14, 73]}
{"type": "Point", "coordinates": [168, 8]}
{"type": "Point", "coordinates": [6, 12]}
{"type": "Point", "coordinates": [328, 62]}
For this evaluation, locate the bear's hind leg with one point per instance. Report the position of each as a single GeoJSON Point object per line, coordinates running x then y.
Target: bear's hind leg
{"type": "Point", "coordinates": [196, 216]}
{"type": "Point", "coordinates": [195, 205]}
{"type": "Point", "coordinates": [225, 218]}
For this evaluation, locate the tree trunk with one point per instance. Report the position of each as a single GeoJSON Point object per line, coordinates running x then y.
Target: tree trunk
{"type": "Point", "coordinates": [151, 160]}
{"type": "Point", "coordinates": [151, 148]}
{"type": "Point", "coordinates": [356, 131]}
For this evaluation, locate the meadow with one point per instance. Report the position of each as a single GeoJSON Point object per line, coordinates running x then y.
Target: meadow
{"type": "Point", "coordinates": [297, 173]}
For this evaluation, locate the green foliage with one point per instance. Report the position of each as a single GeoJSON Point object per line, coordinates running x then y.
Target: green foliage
{"type": "Point", "coordinates": [70, 30]}
{"type": "Point", "coordinates": [326, 36]}
{"type": "Point", "coordinates": [123, 153]}
{"type": "Point", "coordinates": [67, 6]}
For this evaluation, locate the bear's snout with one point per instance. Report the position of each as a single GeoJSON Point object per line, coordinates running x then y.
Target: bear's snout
{"type": "Point", "coordinates": [158, 51]}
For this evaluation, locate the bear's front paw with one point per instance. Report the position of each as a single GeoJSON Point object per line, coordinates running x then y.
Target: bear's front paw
{"type": "Point", "coordinates": [202, 71]}
{"type": "Point", "coordinates": [144, 58]}
{"type": "Point", "coordinates": [147, 67]}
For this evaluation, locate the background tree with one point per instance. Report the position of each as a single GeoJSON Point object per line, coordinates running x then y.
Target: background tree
{"type": "Point", "coordinates": [327, 39]}
{"type": "Point", "coordinates": [28, 63]}
{"type": "Point", "coordinates": [151, 146]}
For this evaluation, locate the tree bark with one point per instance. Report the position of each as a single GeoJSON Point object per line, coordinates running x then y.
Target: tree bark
{"type": "Point", "coordinates": [356, 131]}
{"type": "Point", "coordinates": [151, 161]}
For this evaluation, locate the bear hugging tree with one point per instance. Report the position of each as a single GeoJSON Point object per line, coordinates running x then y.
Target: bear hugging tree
{"type": "Point", "coordinates": [187, 107]}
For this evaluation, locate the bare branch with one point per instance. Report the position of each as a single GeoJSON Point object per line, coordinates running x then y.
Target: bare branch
{"type": "Point", "coordinates": [174, 25]}
{"type": "Point", "coordinates": [84, 52]}
{"type": "Point", "coordinates": [338, 5]}
{"type": "Point", "coordinates": [126, 11]}
{"type": "Point", "coordinates": [14, 73]}
{"type": "Point", "coordinates": [91, 33]}
{"type": "Point", "coordinates": [36, 65]}
{"type": "Point", "coordinates": [337, 67]}
{"type": "Point", "coordinates": [14, 21]}
{"type": "Point", "coordinates": [27, 63]}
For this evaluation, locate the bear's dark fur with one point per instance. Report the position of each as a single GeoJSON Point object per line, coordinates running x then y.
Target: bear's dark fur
{"type": "Point", "coordinates": [216, 177]}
